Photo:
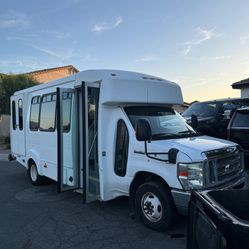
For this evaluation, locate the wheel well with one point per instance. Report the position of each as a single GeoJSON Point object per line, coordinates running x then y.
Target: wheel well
{"type": "Point", "coordinates": [140, 178]}
{"type": "Point", "coordinates": [30, 161]}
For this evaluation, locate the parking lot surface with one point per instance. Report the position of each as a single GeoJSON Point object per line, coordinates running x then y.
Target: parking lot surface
{"type": "Point", "coordinates": [38, 217]}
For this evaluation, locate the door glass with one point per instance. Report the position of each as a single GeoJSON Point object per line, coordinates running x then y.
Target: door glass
{"type": "Point", "coordinates": [92, 126]}
{"type": "Point", "coordinates": [67, 130]}
{"type": "Point", "coordinates": [13, 115]}
{"type": "Point", "coordinates": [20, 114]}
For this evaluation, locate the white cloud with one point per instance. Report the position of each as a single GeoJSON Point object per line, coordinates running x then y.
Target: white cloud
{"type": "Point", "coordinates": [23, 64]}
{"type": "Point", "coordinates": [13, 20]}
{"type": "Point", "coordinates": [202, 35]}
{"type": "Point", "coordinates": [107, 26]}
{"type": "Point", "coordinates": [62, 53]}
{"type": "Point", "coordinates": [216, 58]}
{"type": "Point", "coordinates": [51, 34]}
{"type": "Point", "coordinates": [46, 51]}
{"type": "Point", "coordinates": [57, 34]}
{"type": "Point", "coordinates": [147, 59]}
{"type": "Point", "coordinates": [244, 39]}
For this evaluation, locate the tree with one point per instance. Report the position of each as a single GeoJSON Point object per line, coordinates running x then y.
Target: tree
{"type": "Point", "coordinates": [10, 84]}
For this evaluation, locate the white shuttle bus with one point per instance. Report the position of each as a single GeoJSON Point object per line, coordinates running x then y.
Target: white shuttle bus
{"type": "Point", "coordinates": [110, 133]}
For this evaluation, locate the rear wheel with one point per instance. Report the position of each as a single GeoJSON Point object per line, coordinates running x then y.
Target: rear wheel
{"type": "Point", "coordinates": [154, 205]}
{"type": "Point", "coordinates": [34, 176]}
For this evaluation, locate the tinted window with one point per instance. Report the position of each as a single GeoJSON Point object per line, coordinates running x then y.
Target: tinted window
{"type": "Point", "coordinates": [20, 114]}
{"type": "Point", "coordinates": [47, 115]}
{"type": "Point", "coordinates": [241, 119]}
{"type": "Point", "coordinates": [208, 109]}
{"type": "Point", "coordinates": [34, 113]}
{"type": "Point", "coordinates": [122, 146]}
{"type": "Point", "coordinates": [14, 115]}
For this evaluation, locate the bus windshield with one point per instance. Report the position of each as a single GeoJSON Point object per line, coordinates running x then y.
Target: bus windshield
{"type": "Point", "coordinates": [164, 121]}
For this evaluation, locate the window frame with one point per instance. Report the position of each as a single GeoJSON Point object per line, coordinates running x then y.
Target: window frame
{"type": "Point", "coordinates": [39, 102]}
{"type": "Point", "coordinates": [55, 116]}
{"type": "Point", "coordinates": [125, 160]}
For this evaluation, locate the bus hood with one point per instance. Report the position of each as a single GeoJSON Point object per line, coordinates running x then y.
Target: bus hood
{"type": "Point", "coordinates": [193, 147]}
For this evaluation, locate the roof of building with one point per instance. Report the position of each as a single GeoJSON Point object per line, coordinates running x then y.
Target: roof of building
{"type": "Point", "coordinates": [53, 69]}
{"type": "Point", "coordinates": [240, 84]}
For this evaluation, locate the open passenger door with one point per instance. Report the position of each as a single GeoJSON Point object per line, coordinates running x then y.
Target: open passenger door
{"type": "Point", "coordinates": [77, 130]}
{"type": "Point", "coordinates": [67, 140]}
{"type": "Point", "coordinates": [90, 111]}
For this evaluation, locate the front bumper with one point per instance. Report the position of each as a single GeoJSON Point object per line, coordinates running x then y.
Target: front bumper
{"type": "Point", "coordinates": [182, 198]}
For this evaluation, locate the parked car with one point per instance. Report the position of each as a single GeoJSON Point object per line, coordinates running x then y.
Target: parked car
{"type": "Point", "coordinates": [218, 219]}
{"type": "Point", "coordinates": [212, 117]}
{"type": "Point", "coordinates": [238, 131]}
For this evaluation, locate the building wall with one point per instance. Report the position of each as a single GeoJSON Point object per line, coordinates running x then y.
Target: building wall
{"type": "Point", "coordinates": [49, 75]}
{"type": "Point", "coordinates": [244, 92]}
{"type": "Point", "coordinates": [4, 125]}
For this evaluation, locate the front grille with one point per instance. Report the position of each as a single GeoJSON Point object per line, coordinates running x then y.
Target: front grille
{"type": "Point", "coordinates": [223, 165]}
{"type": "Point", "coordinates": [228, 167]}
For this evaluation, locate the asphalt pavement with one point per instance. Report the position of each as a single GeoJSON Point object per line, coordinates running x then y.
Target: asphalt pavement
{"type": "Point", "coordinates": [40, 218]}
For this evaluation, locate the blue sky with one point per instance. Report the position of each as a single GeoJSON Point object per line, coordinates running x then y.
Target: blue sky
{"type": "Point", "coordinates": [202, 45]}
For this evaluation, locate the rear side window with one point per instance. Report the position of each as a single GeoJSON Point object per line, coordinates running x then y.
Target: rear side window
{"type": "Point", "coordinates": [13, 115]}
{"type": "Point", "coordinates": [34, 113]}
{"type": "Point", "coordinates": [47, 113]}
{"type": "Point", "coordinates": [20, 114]}
{"type": "Point", "coordinates": [241, 119]}
{"type": "Point", "coordinates": [122, 147]}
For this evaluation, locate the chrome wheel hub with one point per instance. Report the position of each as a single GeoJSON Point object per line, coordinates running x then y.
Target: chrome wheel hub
{"type": "Point", "coordinates": [33, 173]}
{"type": "Point", "coordinates": [151, 207]}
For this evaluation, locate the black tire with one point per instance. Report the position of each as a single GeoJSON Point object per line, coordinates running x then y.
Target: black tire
{"type": "Point", "coordinates": [34, 178]}
{"type": "Point", "coordinates": [149, 195]}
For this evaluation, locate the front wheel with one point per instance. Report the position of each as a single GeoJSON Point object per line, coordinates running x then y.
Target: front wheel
{"type": "Point", "coordinates": [33, 175]}
{"type": "Point", "coordinates": [155, 206]}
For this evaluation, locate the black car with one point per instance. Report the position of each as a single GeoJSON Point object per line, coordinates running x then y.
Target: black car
{"type": "Point", "coordinates": [238, 131]}
{"type": "Point", "coordinates": [212, 117]}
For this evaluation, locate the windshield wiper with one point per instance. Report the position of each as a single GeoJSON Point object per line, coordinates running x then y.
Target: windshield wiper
{"type": "Point", "coordinates": [159, 134]}
{"type": "Point", "coordinates": [186, 132]}
{"type": "Point", "coordinates": [164, 134]}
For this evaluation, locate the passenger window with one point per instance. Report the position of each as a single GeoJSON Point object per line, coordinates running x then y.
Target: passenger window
{"type": "Point", "coordinates": [122, 147]}
{"type": "Point", "coordinates": [14, 115]}
{"type": "Point", "coordinates": [47, 115]}
{"type": "Point", "coordinates": [20, 114]}
{"type": "Point", "coordinates": [34, 113]}
{"type": "Point", "coordinates": [67, 105]}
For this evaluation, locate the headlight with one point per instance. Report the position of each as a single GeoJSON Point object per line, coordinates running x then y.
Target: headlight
{"type": "Point", "coordinates": [191, 175]}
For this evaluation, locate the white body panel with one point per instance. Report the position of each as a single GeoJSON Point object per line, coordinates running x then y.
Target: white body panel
{"type": "Point", "coordinates": [117, 88]}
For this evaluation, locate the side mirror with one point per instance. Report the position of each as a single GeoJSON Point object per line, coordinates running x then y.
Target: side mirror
{"type": "Point", "coordinates": [194, 121]}
{"type": "Point", "coordinates": [143, 130]}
